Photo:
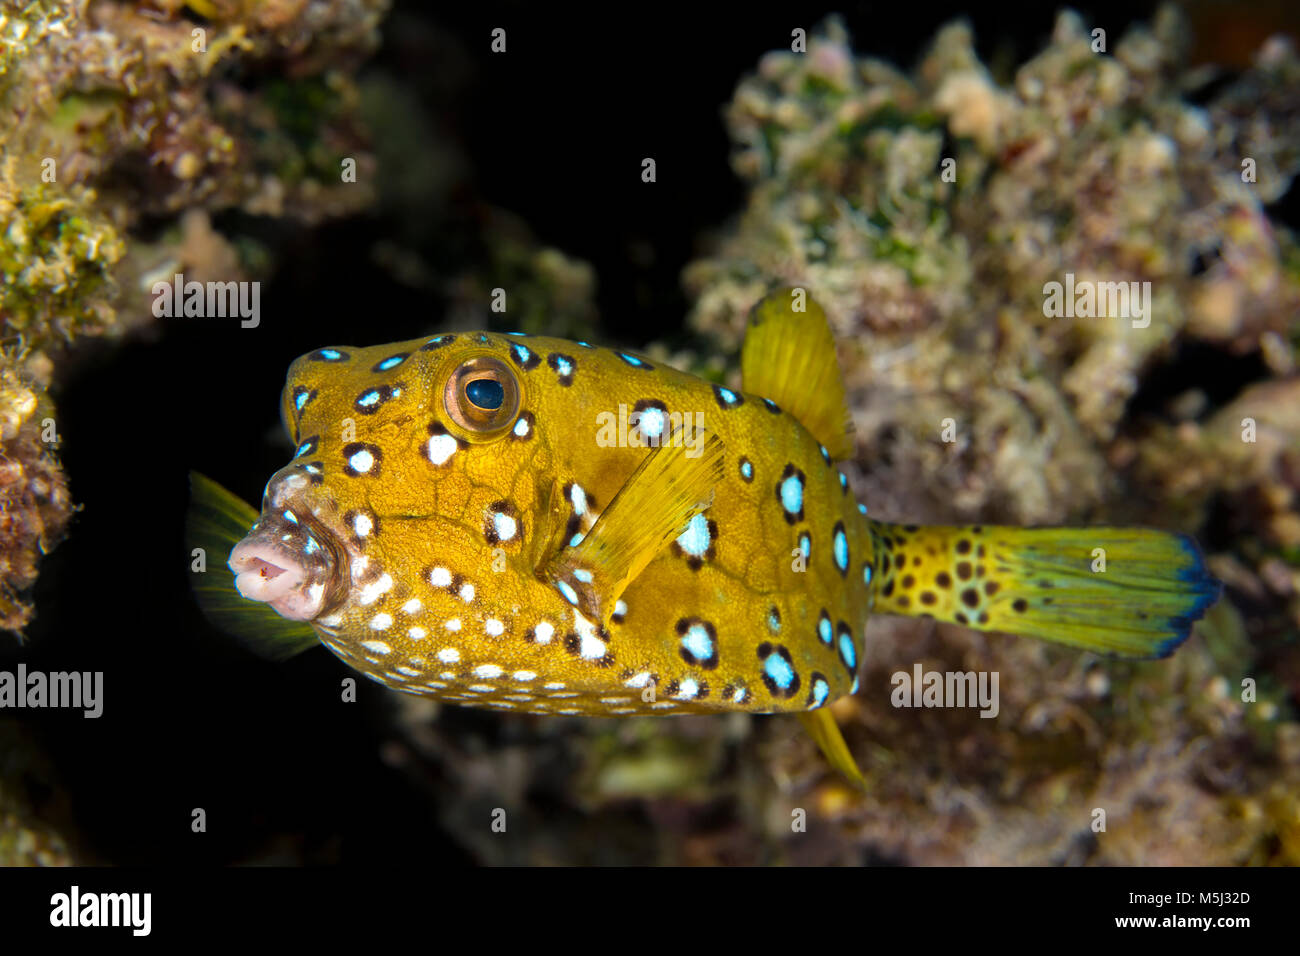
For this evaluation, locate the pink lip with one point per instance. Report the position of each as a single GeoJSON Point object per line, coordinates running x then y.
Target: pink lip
{"type": "Point", "coordinates": [269, 574]}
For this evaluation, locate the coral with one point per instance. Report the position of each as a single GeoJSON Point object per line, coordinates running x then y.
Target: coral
{"type": "Point", "coordinates": [124, 117]}
{"type": "Point", "coordinates": [34, 504]}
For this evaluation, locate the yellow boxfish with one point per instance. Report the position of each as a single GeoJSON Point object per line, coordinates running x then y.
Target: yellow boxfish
{"type": "Point", "coordinates": [542, 526]}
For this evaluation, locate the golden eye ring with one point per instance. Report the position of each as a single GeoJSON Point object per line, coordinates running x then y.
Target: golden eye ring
{"type": "Point", "coordinates": [482, 396]}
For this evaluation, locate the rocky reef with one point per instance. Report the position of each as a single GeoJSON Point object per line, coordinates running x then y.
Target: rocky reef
{"type": "Point", "coordinates": [127, 127]}
{"type": "Point", "coordinates": [1101, 165]}
{"type": "Point", "coordinates": [927, 210]}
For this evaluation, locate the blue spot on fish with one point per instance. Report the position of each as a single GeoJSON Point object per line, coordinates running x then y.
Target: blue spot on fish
{"type": "Point", "coordinates": [726, 397]}
{"type": "Point", "coordinates": [779, 670]}
{"type": "Point", "coordinates": [695, 539]}
{"type": "Point", "coordinates": [848, 653]}
{"type": "Point", "coordinates": [698, 643]}
{"type": "Point", "coordinates": [792, 494]}
{"type": "Point", "coordinates": [567, 590]}
{"type": "Point", "coordinates": [820, 691]}
{"type": "Point", "coordinates": [841, 548]}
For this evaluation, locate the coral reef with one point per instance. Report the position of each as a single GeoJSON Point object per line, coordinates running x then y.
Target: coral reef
{"type": "Point", "coordinates": [127, 128]}
{"type": "Point", "coordinates": [1088, 163]}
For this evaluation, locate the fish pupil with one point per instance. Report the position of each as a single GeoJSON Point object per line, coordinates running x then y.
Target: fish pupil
{"type": "Point", "coordinates": [485, 393]}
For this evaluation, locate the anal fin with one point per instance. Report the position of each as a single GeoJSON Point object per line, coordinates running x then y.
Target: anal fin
{"type": "Point", "coordinates": [823, 729]}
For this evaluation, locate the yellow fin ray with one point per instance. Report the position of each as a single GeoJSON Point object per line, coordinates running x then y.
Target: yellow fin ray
{"type": "Point", "coordinates": [673, 484]}
{"type": "Point", "coordinates": [789, 357]}
{"type": "Point", "coordinates": [822, 728]}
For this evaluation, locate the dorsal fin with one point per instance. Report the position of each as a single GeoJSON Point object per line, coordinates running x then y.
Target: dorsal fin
{"type": "Point", "coordinates": [789, 357]}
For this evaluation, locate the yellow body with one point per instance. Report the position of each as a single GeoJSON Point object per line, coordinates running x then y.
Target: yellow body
{"type": "Point", "coordinates": [433, 538]}
{"type": "Point", "coordinates": [539, 525]}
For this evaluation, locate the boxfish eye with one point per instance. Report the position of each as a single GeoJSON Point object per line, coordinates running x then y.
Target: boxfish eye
{"type": "Point", "coordinates": [485, 393]}
{"type": "Point", "coordinates": [482, 396]}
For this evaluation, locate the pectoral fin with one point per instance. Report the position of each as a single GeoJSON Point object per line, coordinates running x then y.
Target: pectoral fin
{"type": "Point", "coordinates": [216, 522]}
{"type": "Point", "coordinates": [673, 484]}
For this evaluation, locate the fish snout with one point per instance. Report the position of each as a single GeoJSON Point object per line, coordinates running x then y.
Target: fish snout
{"type": "Point", "coordinates": [287, 564]}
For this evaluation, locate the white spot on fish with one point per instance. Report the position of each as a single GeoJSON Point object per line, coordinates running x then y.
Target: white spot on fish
{"type": "Point", "coordinates": [370, 592]}
{"type": "Point", "coordinates": [441, 447]}
{"type": "Point", "coordinates": [362, 461]}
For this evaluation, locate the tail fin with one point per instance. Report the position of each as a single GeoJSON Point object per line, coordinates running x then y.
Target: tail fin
{"type": "Point", "coordinates": [1126, 592]}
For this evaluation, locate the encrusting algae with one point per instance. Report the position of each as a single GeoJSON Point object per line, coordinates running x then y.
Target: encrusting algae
{"type": "Point", "coordinates": [463, 519]}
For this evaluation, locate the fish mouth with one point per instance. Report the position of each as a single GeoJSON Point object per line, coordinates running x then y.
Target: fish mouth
{"type": "Point", "coordinates": [294, 566]}
{"type": "Point", "coordinates": [264, 572]}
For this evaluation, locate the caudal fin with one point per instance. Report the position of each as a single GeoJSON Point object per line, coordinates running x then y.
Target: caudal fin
{"type": "Point", "coordinates": [1126, 592]}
